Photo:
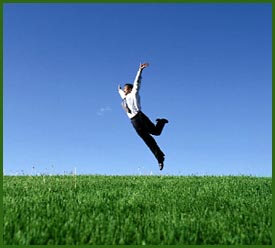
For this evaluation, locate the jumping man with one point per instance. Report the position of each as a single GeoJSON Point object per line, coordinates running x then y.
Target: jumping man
{"type": "Point", "coordinates": [142, 124]}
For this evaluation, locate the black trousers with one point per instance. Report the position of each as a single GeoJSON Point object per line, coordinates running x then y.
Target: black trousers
{"type": "Point", "coordinates": [144, 128]}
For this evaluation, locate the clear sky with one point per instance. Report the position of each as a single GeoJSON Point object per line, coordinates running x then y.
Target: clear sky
{"type": "Point", "coordinates": [209, 75]}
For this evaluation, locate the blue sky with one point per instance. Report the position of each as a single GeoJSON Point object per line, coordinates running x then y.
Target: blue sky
{"type": "Point", "coordinates": [210, 75]}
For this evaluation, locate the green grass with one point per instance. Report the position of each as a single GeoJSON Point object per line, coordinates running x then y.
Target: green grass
{"type": "Point", "coordinates": [137, 210]}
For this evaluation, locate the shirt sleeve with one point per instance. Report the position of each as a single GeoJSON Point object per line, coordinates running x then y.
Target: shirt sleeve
{"type": "Point", "coordinates": [121, 93]}
{"type": "Point", "coordinates": [137, 82]}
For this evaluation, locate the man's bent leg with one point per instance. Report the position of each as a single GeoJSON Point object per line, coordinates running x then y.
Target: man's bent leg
{"type": "Point", "coordinates": [152, 128]}
{"type": "Point", "coordinates": [160, 125]}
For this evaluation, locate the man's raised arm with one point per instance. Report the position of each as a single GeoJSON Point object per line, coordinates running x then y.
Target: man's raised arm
{"type": "Point", "coordinates": [137, 81]}
{"type": "Point", "coordinates": [121, 92]}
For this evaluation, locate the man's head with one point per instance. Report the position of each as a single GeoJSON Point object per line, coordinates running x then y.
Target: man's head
{"type": "Point", "coordinates": [127, 88]}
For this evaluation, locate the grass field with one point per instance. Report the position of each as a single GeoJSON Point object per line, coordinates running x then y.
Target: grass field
{"type": "Point", "coordinates": [137, 210]}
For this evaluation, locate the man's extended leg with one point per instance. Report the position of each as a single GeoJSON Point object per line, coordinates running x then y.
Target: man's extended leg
{"type": "Point", "coordinates": [152, 144]}
{"type": "Point", "coordinates": [141, 123]}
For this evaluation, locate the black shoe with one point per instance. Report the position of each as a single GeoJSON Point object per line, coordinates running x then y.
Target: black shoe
{"type": "Point", "coordinates": [162, 120]}
{"type": "Point", "coordinates": [161, 165]}
{"type": "Point", "coordinates": [161, 160]}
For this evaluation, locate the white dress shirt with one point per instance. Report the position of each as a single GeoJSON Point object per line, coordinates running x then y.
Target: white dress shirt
{"type": "Point", "coordinates": [133, 99]}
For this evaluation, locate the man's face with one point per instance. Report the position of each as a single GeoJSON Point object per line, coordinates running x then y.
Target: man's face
{"type": "Point", "coordinates": [127, 90]}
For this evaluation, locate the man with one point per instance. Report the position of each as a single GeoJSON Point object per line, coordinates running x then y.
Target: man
{"type": "Point", "coordinates": [142, 124]}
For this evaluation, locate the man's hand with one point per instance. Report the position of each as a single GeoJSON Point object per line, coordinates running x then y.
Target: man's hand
{"type": "Point", "coordinates": [119, 87]}
{"type": "Point", "coordinates": [144, 65]}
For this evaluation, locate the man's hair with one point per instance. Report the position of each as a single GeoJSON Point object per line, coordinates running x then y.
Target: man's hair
{"type": "Point", "coordinates": [129, 86]}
